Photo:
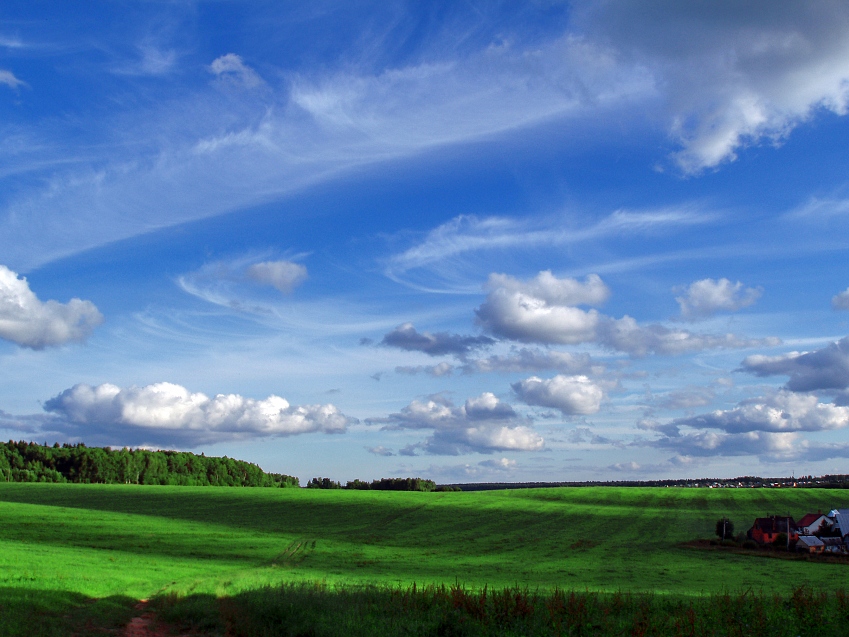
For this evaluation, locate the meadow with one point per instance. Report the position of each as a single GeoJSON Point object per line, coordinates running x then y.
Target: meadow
{"type": "Point", "coordinates": [71, 548]}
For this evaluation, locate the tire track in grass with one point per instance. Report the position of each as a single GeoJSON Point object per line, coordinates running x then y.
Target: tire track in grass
{"type": "Point", "coordinates": [295, 553]}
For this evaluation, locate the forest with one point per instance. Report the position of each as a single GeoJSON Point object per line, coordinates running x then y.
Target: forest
{"type": "Point", "coordinates": [31, 462]}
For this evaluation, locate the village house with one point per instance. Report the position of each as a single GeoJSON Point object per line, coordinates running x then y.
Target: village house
{"type": "Point", "coordinates": [810, 544]}
{"type": "Point", "coordinates": [814, 524]}
{"type": "Point", "coordinates": [766, 530]}
{"type": "Point", "coordinates": [841, 520]}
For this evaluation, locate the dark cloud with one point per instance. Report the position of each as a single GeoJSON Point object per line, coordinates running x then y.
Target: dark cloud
{"type": "Point", "coordinates": [826, 368]}
{"type": "Point", "coordinates": [406, 337]}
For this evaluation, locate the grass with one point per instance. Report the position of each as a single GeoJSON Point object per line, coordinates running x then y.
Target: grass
{"type": "Point", "coordinates": [71, 542]}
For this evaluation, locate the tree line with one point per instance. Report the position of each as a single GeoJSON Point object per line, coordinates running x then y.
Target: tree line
{"type": "Point", "coordinates": [31, 462]}
{"type": "Point", "coordinates": [384, 484]}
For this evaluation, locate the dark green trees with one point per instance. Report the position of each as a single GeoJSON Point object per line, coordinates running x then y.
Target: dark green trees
{"type": "Point", "coordinates": [29, 462]}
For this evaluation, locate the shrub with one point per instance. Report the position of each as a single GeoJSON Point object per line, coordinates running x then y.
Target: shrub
{"type": "Point", "coordinates": [724, 529]}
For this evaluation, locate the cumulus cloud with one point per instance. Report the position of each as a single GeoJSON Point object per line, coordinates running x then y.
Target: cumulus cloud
{"type": "Point", "coordinates": [283, 275]}
{"type": "Point", "coordinates": [231, 68]}
{"type": "Point", "coordinates": [483, 424]}
{"type": "Point", "coordinates": [169, 413]}
{"type": "Point", "coordinates": [542, 310]}
{"type": "Point", "coordinates": [823, 369]}
{"type": "Point", "coordinates": [840, 301]}
{"type": "Point", "coordinates": [770, 445]}
{"type": "Point", "coordinates": [707, 297]}
{"type": "Point", "coordinates": [762, 67]}
{"type": "Point", "coordinates": [29, 322]}
{"type": "Point", "coordinates": [406, 337]}
{"type": "Point", "coordinates": [783, 411]}
{"type": "Point", "coordinates": [570, 394]}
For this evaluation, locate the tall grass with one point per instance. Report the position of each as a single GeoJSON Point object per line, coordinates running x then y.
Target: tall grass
{"type": "Point", "coordinates": [316, 610]}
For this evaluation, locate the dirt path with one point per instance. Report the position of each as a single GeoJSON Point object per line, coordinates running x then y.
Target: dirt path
{"type": "Point", "coordinates": [145, 624]}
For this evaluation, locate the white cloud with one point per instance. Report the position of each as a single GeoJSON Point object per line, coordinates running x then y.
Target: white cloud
{"type": "Point", "coordinates": [380, 450]}
{"type": "Point", "coordinates": [533, 313]}
{"type": "Point", "coordinates": [165, 412]}
{"type": "Point", "coordinates": [570, 394]}
{"type": "Point", "coordinates": [706, 297]}
{"type": "Point", "coordinates": [514, 311]}
{"type": "Point", "coordinates": [734, 74]}
{"type": "Point", "coordinates": [840, 301]}
{"type": "Point", "coordinates": [823, 369]}
{"type": "Point", "coordinates": [232, 69]}
{"type": "Point", "coordinates": [553, 291]}
{"type": "Point", "coordinates": [29, 322]}
{"type": "Point", "coordinates": [8, 78]}
{"type": "Point", "coordinates": [483, 424]}
{"type": "Point", "coordinates": [283, 275]}
{"type": "Point", "coordinates": [784, 411]}
{"type": "Point", "coordinates": [771, 445]}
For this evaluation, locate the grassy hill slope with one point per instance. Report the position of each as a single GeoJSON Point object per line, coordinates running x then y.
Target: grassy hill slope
{"type": "Point", "coordinates": [101, 540]}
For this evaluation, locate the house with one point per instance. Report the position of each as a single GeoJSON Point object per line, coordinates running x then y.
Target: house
{"type": "Point", "coordinates": [766, 530]}
{"type": "Point", "coordinates": [833, 544]}
{"type": "Point", "coordinates": [810, 544]}
{"type": "Point", "coordinates": [841, 520]}
{"type": "Point", "coordinates": [814, 524]}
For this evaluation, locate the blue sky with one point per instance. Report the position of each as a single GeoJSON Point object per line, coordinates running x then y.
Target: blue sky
{"type": "Point", "coordinates": [468, 241]}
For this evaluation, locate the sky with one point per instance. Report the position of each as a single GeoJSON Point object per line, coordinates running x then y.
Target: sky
{"type": "Point", "coordinates": [467, 241]}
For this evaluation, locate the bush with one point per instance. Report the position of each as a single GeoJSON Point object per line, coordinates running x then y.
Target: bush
{"type": "Point", "coordinates": [724, 529]}
{"type": "Point", "coordinates": [750, 544]}
{"type": "Point", "coordinates": [780, 541]}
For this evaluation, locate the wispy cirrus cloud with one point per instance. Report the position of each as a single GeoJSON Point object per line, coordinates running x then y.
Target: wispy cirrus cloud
{"type": "Point", "coordinates": [8, 78]}
{"type": "Point", "coordinates": [468, 234]}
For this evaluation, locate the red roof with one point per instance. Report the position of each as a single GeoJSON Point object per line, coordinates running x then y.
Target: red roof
{"type": "Point", "coordinates": [809, 519]}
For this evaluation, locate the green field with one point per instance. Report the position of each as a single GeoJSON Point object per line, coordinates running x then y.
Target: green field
{"type": "Point", "coordinates": [71, 542]}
